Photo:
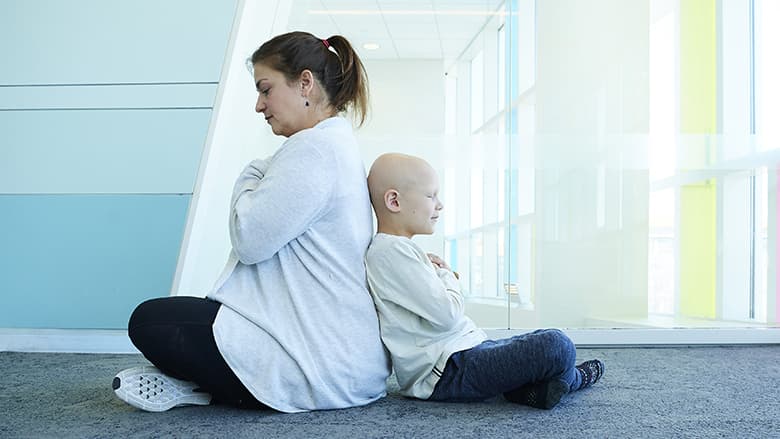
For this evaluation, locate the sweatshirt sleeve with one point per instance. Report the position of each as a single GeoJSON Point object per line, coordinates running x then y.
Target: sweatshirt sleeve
{"type": "Point", "coordinates": [249, 179]}
{"type": "Point", "coordinates": [271, 207]}
{"type": "Point", "coordinates": [398, 275]}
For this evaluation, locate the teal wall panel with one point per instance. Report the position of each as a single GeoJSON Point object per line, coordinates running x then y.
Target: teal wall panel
{"type": "Point", "coordinates": [117, 151]}
{"type": "Point", "coordinates": [85, 261]}
{"type": "Point", "coordinates": [99, 41]}
{"type": "Point", "coordinates": [105, 108]}
{"type": "Point", "coordinates": [138, 96]}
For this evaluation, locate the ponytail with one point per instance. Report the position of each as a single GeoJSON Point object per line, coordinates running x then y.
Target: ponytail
{"type": "Point", "coordinates": [332, 61]}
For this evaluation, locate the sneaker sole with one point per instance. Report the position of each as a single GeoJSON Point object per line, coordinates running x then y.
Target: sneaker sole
{"type": "Point", "coordinates": [148, 389]}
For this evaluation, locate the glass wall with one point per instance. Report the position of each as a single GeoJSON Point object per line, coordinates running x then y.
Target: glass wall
{"type": "Point", "coordinates": [604, 164]}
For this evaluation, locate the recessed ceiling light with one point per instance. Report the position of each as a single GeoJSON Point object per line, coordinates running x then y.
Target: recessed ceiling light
{"type": "Point", "coordinates": [478, 12]}
{"type": "Point", "coordinates": [371, 46]}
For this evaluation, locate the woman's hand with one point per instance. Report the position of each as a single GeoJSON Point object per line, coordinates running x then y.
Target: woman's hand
{"type": "Point", "coordinates": [249, 179]}
{"type": "Point", "coordinates": [256, 168]}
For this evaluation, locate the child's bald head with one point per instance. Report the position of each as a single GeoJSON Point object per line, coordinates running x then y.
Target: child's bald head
{"type": "Point", "coordinates": [399, 185]}
{"type": "Point", "coordinates": [394, 171]}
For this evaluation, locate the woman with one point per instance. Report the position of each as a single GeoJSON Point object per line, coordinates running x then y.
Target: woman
{"type": "Point", "coordinates": [290, 324]}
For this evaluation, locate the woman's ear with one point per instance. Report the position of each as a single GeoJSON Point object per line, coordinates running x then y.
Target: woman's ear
{"type": "Point", "coordinates": [307, 82]}
{"type": "Point", "coordinates": [391, 201]}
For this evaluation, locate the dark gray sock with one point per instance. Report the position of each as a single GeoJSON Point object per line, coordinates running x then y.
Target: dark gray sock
{"type": "Point", "coordinates": [590, 371]}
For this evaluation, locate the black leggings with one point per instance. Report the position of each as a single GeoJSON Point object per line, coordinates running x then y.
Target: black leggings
{"type": "Point", "coordinates": [175, 334]}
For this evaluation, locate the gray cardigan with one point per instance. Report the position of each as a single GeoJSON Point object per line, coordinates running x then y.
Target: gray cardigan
{"type": "Point", "coordinates": [297, 325]}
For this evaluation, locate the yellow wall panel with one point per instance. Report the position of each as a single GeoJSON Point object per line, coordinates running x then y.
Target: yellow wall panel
{"type": "Point", "coordinates": [698, 67]}
{"type": "Point", "coordinates": [698, 115]}
{"type": "Point", "coordinates": [697, 250]}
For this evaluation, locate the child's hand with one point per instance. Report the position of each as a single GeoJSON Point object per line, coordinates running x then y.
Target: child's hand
{"type": "Point", "coordinates": [437, 261]}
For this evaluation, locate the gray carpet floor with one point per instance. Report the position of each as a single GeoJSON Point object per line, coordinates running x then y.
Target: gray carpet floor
{"type": "Point", "coordinates": [731, 392]}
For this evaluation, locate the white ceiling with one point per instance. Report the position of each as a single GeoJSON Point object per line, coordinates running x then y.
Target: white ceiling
{"type": "Point", "coordinates": [404, 29]}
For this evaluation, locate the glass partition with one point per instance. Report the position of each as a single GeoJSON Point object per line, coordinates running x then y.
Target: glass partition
{"type": "Point", "coordinates": [603, 164]}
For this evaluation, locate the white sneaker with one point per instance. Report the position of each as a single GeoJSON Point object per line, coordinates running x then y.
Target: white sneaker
{"type": "Point", "coordinates": [146, 388]}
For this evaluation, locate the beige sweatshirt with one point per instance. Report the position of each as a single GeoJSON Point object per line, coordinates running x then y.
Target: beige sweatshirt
{"type": "Point", "coordinates": [421, 312]}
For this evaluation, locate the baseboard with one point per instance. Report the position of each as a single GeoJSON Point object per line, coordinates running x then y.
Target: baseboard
{"type": "Point", "coordinates": [116, 341]}
{"type": "Point", "coordinates": [102, 341]}
{"type": "Point", "coordinates": [642, 337]}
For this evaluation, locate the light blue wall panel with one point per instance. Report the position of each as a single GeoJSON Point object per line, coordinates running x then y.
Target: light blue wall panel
{"type": "Point", "coordinates": [52, 97]}
{"type": "Point", "coordinates": [85, 261]}
{"type": "Point", "coordinates": [104, 111]}
{"type": "Point", "coordinates": [99, 41]}
{"type": "Point", "coordinates": [116, 151]}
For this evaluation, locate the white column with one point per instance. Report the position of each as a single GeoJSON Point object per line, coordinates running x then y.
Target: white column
{"type": "Point", "coordinates": [236, 136]}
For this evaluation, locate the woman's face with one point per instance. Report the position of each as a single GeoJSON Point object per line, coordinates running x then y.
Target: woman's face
{"type": "Point", "coordinates": [282, 104]}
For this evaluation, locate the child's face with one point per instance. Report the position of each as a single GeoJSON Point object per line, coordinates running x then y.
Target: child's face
{"type": "Point", "coordinates": [421, 204]}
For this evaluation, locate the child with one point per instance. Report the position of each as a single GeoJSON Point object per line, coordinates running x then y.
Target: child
{"type": "Point", "coordinates": [438, 353]}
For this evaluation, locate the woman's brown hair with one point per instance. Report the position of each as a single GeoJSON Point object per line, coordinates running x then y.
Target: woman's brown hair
{"type": "Point", "coordinates": [341, 74]}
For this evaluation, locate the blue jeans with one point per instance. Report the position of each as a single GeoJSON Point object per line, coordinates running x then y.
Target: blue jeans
{"type": "Point", "coordinates": [498, 366]}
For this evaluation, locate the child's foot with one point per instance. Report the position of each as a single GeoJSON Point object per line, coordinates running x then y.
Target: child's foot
{"type": "Point", "coordinates": [590, 371]}
{"type": "Point", "coordinates": [542, 395]}
{"type": "Point", "coordinates": [146, 388]}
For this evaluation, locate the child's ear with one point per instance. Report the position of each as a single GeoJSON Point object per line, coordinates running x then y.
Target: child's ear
{"type": "Point", "coordinates": [391, 200]}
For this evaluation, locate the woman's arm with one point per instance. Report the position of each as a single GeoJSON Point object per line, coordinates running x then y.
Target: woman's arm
{"type": "Point", "coordinates": [248, 180]}
{"type": "Point", "coordinates": [272, 207]}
